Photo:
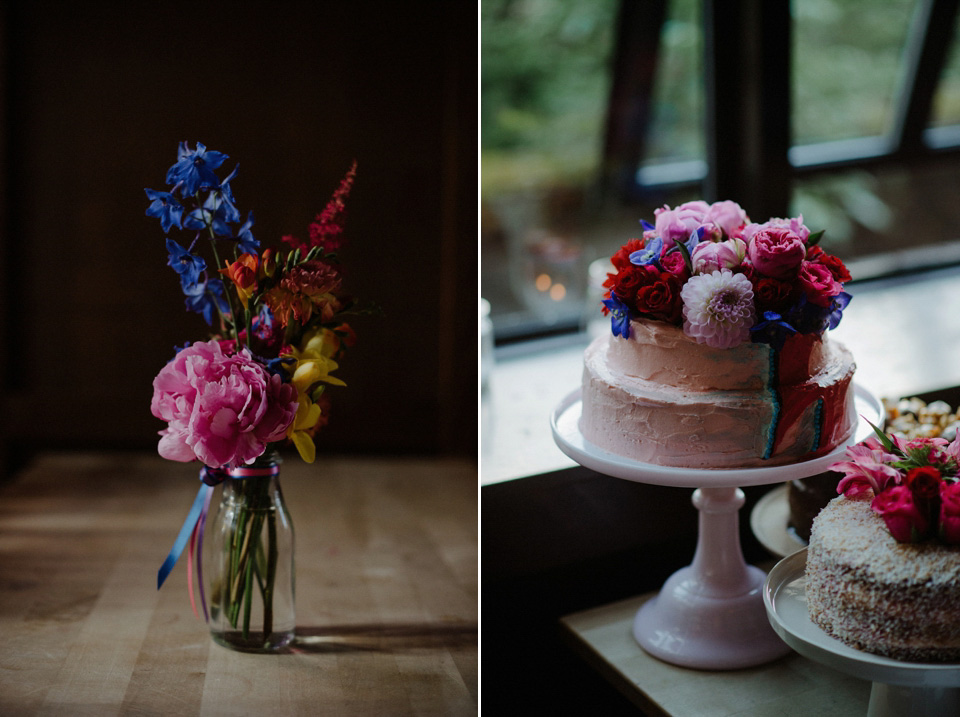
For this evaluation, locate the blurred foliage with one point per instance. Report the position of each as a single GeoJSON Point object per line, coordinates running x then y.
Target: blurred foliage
{"type": "Point", "coordinates": [545, 78]}
{"type": "Point", "coordinates": [846, 66]}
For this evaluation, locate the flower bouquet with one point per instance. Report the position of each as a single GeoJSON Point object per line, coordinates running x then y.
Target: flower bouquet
{"type": "Point", "coordinates": [915, 486]}
{"type": "Point", "coordinates": [278, 329]}
{"type": "Point", "coordinates": [724, 279]}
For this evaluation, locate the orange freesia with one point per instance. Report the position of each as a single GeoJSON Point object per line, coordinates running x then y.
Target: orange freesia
{"type": "Point", "coordinates": [243, 274]}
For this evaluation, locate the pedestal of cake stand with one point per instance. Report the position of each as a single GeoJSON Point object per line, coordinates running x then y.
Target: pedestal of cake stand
{"type": "Point", "coordinates": [708, 615]}
{"type": "Point", "coordinates": [899, 688]}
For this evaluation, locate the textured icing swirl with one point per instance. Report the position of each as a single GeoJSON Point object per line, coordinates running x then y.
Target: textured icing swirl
{"type": "Point", "coordinates": [662, 398]}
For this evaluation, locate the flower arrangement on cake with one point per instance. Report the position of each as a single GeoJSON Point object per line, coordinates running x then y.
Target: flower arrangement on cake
{"type": "Point", "coordinates": [914, 483]}
{"type": "Point", "coordinates": [724, 279]}
{"type": "Point", "coordinates": [278, 329]}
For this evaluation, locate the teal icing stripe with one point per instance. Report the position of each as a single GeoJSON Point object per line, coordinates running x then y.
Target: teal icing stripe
{"type": "Point", "coordinates": [775, 399]}
{"type": "Point", "coordinates": [817, 424]}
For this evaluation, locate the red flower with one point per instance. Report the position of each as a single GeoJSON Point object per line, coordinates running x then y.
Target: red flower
{"type": "Point", "coordinates": [772, 294]}
{"type": "Point", "coordinates": [906, 521]}
{"type": "Point", "coordinates": [949, 528]}
{"type": "Point", "coordinates": [661, 299]}
{"type": "Point", "coordinates": [621, 260]}
{"type": "Point", "coordinates": [630, 280]}
{"type": "Point", "coordinates": [924, 482]}
{"type": "Point", "coordinates": [836, 267]}
{"type": "Point", "coordinates": [306, 289]}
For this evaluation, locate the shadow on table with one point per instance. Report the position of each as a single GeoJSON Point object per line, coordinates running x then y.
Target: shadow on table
{"type": "Point", "coordinates": [401, 637]}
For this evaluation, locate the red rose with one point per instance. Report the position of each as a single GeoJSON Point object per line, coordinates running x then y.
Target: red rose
{"type": "Point", "coordinates": [923, 482]}
{"type": "Point", "coordinates": [661, 299]}
{"type": "Point", "coordinates": [818, 283]}
{"type": "Point", "coordinates": [631, 279]}
{"type": "Point", "coordinates": [772, 294]}
{"type": "Point", "coordinates": [621, 260]}
{"type": "Point", "coordinates": [949, 528]}
{"type": "Point", "coordinates": [906, 522]}
{"type": "Point", "coordinates": [836, 267]}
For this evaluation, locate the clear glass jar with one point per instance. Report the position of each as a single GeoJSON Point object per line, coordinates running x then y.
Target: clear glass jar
{"type": "Point", "coordinates": [248, 561]}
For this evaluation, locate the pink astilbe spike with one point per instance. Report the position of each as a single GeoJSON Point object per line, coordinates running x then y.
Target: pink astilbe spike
{"type": "Point", "coordinates": [327, 226]}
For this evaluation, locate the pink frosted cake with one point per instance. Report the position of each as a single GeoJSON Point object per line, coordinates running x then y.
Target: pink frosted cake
{"type": "Point", "coordinates": [896, 599]}
{"type": "Point", "coordinates": [660, 397]}
{"type": "Point", "coordinates": [718, 357]}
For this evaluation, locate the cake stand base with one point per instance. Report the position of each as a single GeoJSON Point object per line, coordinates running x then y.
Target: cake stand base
{"type": "Point", "coordinates": [709, 615]}
{"type": "Point", "coordinates": [686, 628]}
{"type": "Point", "coordinates": [897, 700]}
{"type": "Point", "coordinates": [898, 688]}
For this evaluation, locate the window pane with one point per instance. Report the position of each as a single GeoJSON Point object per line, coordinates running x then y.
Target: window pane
{"type": "Point", "coordinates": [847, 62]}
{"type": "Point", "coordinates": [946, 101]}
{"type": "Point", "coordinates": [546, 76]}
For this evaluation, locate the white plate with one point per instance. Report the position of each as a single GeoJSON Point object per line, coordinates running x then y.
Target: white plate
{"type": "Point", "coordinates": [770, 520]}
{"type": "Point", "coordinates": [565, 423]}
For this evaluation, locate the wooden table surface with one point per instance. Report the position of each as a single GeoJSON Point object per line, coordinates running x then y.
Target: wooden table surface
{"type": "Point", "coordinates": [386, 560]}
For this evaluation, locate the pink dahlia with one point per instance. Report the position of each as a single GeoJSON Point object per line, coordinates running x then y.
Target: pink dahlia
{"type": "Point", "coordinates": [220, 409]}
{"type": "Point", "coordinates": [718, 308]}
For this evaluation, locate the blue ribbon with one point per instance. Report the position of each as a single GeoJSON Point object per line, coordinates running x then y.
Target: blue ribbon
{"type": "Point", "coordinates": [181, 542]}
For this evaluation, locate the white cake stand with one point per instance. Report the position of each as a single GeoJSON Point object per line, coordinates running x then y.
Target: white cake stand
{"type": "Point", "coordinates": [899, 688]}
{"type": "Point", "coordinates": [708, 615]}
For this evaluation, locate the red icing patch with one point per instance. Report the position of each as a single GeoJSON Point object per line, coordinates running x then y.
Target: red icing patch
{"type": "Point", "coordinates": [797, 394]}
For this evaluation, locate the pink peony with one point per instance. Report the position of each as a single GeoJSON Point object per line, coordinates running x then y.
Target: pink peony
{"type": "Point", "coordinates": [950, 513]}
{"type": "Point", "coordinates": [818, 283]}
{"type": "Point", "coordinates": [776, 252]}
{"type": "Point", "coordinates": [220, 409]}
{"type": "Point", "coordinates": [708, 256]}
{"type": "Point", "coordinates": [728, 216]}
{"type": "Point", "coordinates": [905, 520]}
{"type": "Point", "coordinates": [677, 224]}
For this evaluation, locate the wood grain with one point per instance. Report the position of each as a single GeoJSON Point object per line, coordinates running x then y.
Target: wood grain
{"type": "Point", "coordinates": [386, 593]}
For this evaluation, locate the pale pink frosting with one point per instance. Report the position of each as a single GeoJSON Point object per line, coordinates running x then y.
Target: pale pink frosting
{"type": "Point", "coordinates": [661, 398]}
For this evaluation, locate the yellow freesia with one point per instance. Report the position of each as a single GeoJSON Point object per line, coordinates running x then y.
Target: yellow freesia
{"type": "Point", "coordinates": [314, 364]}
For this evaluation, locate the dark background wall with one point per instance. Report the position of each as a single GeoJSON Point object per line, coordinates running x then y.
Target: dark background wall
{"type": "Point", "coordinates": [96, 96]}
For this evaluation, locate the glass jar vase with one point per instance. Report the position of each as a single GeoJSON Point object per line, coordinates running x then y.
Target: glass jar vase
{"type": "Point", "coordinates": [248, 559]}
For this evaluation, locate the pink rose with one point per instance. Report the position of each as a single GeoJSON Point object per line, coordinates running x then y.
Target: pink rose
{"type": "Point", "coordinates": [905, 520]}
{"type": "Point", "coordinates": [818, 283]}
{"type": "Point", "coordinates": [708, 256]}
{"type": "Point", "coordinates": [776, 252]}
{"type": "Point", "coordinates": [674, 263]}
{"type": "Point", "coordinates": [728, 216]}
{"type": "Point", "coordinates": [795, 225]}
{"type": "Point", "coordinates": [220, 409]}
{"type": "Point", "coordinates": [950, 513]}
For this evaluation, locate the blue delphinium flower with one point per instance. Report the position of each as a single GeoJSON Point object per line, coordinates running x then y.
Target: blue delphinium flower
{"type": "Point", "coordinates": [837, 306]}
{"type": "Point", "coordinates": [202, 217]}
{"type": "Point", "coordinates": [165, 207]}
{"type": "Point", "coordinates": [205, 297]}
{"type": "Point", "coordinates": [619, 316]}
{"type": "Point", "coordinates": [772, 330]}
{"type": "Point", "coordinates": [248, 244]}
{"type": "Point", "coordinates": [194, 169]}
{"type": "Point", "coordinates": [188, 266]}
{"type": "Point", "coordinates": [650, 254]}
